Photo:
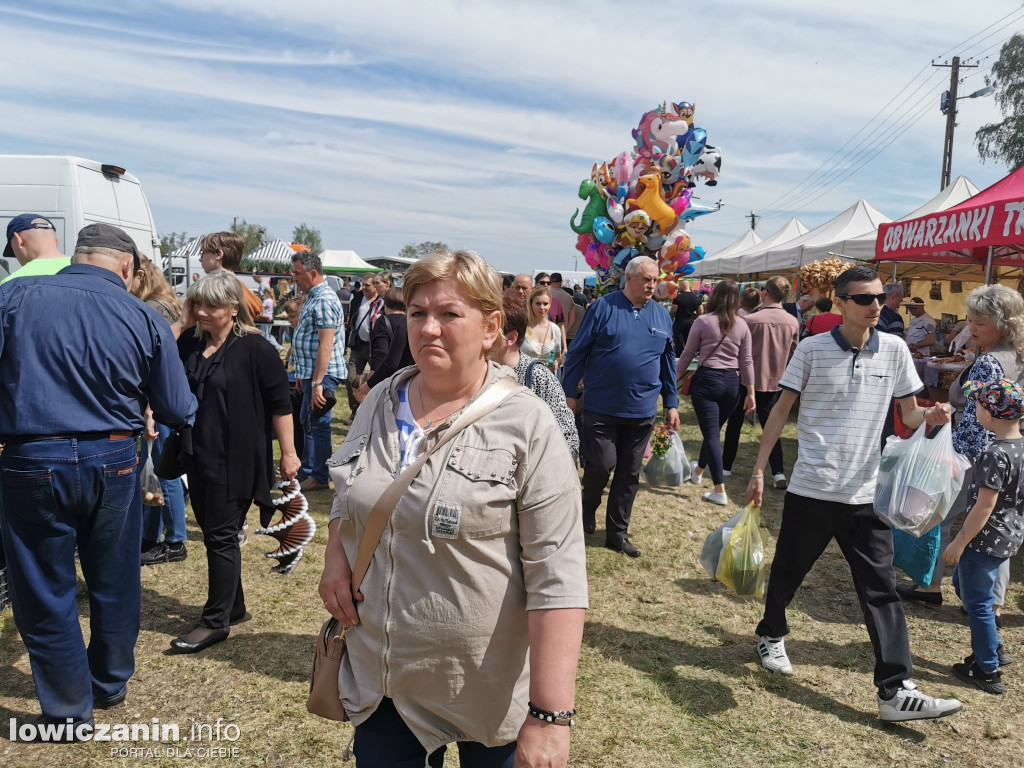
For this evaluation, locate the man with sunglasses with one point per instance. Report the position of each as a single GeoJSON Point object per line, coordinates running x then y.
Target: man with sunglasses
{"type": "Point", "coordinates": [32, 240]}
{"type": "Point", "coordinates": [845, 380]}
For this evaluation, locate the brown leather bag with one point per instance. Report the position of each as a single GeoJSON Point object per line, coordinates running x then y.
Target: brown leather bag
{"type": "Point", "coordinates": [686, 380]}
{"type": "Point", "coordinates": [324, 698]}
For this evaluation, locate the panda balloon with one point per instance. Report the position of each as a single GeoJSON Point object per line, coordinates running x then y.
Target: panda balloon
{"type": "Point", "coordinates": [708, 166]}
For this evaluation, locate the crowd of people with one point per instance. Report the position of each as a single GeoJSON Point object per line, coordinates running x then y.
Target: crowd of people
{"type": "Point", "coordinates": [472, 402]}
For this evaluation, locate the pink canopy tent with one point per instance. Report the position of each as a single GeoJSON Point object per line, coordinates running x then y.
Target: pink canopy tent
{"type": "Point", "coordinates": [986, 229]}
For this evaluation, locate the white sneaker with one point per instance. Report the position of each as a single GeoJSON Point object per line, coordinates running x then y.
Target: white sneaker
{"type": "Point", "coordinates": [695, 477]}
{"type": "Point", "coordinates": [780, 480]}
{"type": "Point", "coordinates": [772, 651]}
{"type": "Point", "coordinates": [910, 704]}
{"type": "Point", "coordinates": [716, 498]}
{"type": "Point", "coordinates": [727, 472]}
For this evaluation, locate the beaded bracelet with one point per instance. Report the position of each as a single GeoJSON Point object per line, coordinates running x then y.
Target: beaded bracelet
{"type": "Point", "coordinates": [558, 718]}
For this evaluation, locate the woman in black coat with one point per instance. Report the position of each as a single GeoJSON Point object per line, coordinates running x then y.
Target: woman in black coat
{"type": "Point", "coordinates": [389, 343]}
{"type": "Point", "coordinates": [242, 389]}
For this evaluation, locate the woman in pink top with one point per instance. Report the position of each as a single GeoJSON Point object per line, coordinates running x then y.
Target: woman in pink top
{"type": "Point", "coordinates": [725, 361]}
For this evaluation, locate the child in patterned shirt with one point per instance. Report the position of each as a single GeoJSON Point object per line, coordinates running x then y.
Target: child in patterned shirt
{"type": "Point", "coordinates": [994, 528]}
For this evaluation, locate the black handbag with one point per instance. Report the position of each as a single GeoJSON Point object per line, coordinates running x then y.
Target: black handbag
{"type": "Point", "coordinates": [175, 458]}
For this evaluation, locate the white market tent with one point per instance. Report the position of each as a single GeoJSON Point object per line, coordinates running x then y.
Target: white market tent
{"type": "Point", "coordinates": [346, 262]}
{"type": "Point", "coordinates": [851, 233]}
{"type": "Point", "coordinates": [733, 263]}
{"type": "Point", "coordinates": [708, 266]}
{"type": "Point", "coordinates": [191, 250]}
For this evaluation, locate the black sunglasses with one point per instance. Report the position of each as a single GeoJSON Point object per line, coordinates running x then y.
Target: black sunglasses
{"type": "Point", "coordinates": [543, 282]}
{"type": "Point", "coordinates": [864, 299]}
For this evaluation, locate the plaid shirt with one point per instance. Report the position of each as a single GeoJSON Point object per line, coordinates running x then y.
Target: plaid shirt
{"type": "Point", "coordinates": [322, 310]}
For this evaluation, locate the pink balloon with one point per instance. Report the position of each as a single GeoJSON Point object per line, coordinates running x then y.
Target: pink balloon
{"type": "Point", "coordinates": [680, 204]}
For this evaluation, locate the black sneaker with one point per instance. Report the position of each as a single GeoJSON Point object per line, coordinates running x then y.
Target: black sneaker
{"type": "Point", "coordinates": [147, 545]}
{"type": "Point", "coordinates": [1005, 659]}
{"type": "Point", "coordinates": [155, 554]}
{"type": "Point", "coordinates": [176, 552]}
{"type": "Point", "coordinates": [970, 672]}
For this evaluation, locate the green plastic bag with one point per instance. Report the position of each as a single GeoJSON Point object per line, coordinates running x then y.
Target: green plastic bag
{"type": "Point", "coordinates": [741, 566]}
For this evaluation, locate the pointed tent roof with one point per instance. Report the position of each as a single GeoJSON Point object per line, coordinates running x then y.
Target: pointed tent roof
{"type": "Point", "coordinates": [276, 250]}
{"type": "Point", "coordinates": [709, 266]}
{"type": "Point", "coordinates": [346, 262]}
{"type": "Point", "coordinates": [792, 229]}
{"type": "Point", "coordinates": [190, 250]}
{"type": "Point", "coordinates": [849, 234]}
{"type": "Point", "coordinates": [955, 193]}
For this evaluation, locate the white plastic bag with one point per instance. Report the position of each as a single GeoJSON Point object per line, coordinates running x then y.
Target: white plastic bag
{"type": "Point", "coordinates": [918, 479]}
{"type": "Point", "coordinates": [152, 493]}
{"type": "Point", "coordinates": [716, 541]}
{"type": "Point", "coordinates": [672, 469]}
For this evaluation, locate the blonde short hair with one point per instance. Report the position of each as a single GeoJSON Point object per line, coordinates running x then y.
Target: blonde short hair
{"type": "Point", "coordinates": [222, 289]}
{"type": "Point", "coordinates": [1003, 306]}
{"type": "Point", "coordinates": [474, 276]}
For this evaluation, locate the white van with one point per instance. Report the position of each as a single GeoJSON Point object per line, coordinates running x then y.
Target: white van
{"type": "Point", "coordinates": [72, 192]}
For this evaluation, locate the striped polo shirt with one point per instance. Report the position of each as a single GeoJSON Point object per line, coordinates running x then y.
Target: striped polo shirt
{"type": "Point", "coordinates": [844, 393]}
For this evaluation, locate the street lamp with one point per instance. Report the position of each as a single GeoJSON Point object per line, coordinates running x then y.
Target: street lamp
{"type": "Point", "coordinates": [947, 105]}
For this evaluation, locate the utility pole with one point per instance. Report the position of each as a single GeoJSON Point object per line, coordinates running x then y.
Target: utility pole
{"type": "Point", "coordinates": [948, 106]}
{"type": "Point", "coordinates": [753, 220]}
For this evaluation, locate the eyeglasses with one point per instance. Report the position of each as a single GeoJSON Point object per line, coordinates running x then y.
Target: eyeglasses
{"type": "Point", "coordinates": [864, 299]}
{"type": "Point", "coordinates": [543, 282]}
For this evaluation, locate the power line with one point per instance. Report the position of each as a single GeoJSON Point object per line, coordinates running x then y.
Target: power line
{"type": "Point", "coordinates": [829, 169]}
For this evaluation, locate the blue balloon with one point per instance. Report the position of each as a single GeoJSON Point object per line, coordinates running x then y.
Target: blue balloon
{"type": "Point", "coordinates": [654, 242]}
{"type": "Point", "coordinates": [696, 254]}
{"type": "Point", "coordinates": [693, 211]}
{"type": "Point", "coordinates": [604, 230]}
{"type": "Point", "coordinates": [694, 147]}
{"type": "Point", "coordinates": [687, 269]}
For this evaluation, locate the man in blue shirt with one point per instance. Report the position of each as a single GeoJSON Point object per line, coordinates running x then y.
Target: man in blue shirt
{"type": "Point", "coordinates": [318, 347]}
{"type": "Point", "coordinates": [623, 354]}
{"type": "Point", "coordinates": [73, 387]}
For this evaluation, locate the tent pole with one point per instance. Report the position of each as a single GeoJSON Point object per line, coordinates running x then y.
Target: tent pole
{"type": "Point", "coordinates": [894, 265]}
{"type": "Point", "coordinates": [988, 265]}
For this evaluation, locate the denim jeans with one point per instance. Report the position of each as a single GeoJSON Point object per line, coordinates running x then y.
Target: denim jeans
{"type": "Point", "coordinates": [974, 579]}
{"type": "Point", "coordinates": [385, 741]}
{"type": "Point", "coordinates": [318, 433]}
{"type": "Point", "coordinates": [714, 394]}
{"type": "Point", "coordinates": [57, 494]}
{"type": "Point", "coordinates": [170, 518]}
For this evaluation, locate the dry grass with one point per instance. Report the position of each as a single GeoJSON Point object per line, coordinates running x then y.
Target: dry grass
{"type": "Point", "coordinates": [668, 676]}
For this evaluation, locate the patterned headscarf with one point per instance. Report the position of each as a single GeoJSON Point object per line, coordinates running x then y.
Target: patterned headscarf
{"type": "Point", "coordinates": [1003, 399]}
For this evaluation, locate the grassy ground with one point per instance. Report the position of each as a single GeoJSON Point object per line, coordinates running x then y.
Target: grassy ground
{"type": "Point", "coordinates": [668, 676]}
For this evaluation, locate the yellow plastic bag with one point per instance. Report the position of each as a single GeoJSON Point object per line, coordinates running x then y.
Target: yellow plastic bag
{"type": "Point", "coordinates": [741, 566]}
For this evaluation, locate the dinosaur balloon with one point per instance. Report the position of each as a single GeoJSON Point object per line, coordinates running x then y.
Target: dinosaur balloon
{"type": "Point", "coordinates": [596, 206]}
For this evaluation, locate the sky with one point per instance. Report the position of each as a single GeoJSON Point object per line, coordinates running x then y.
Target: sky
{"type": "Point", "coordinates": [473, 123]}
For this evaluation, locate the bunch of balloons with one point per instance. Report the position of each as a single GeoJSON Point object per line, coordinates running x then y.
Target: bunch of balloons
{"type": "Point", "coordinates": [638, 203]}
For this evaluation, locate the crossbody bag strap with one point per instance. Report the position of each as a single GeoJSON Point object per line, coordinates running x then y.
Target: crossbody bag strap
{"type": "Point", "coordinates": [712, 352]}
{"type": "Point", "coordinates": [378, 520]}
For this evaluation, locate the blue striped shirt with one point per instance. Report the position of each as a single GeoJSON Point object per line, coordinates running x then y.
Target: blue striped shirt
{"type": "Point", "coordinates": [321, 311]}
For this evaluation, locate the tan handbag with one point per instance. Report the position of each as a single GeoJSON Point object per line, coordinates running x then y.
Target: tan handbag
{"type": "Point", "coordinates": [324, 687]}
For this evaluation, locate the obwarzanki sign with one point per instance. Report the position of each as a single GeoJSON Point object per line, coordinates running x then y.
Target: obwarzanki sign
{"type": "Point", "coordinates": [993, 218]}
{"type": "Point", "coordinates": [955, 229]}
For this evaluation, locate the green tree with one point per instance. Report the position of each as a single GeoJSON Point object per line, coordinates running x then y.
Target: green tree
{"type": "Point", "coordinates": [253, 235]}
{"type": "Point", "coordinates": [172, 241]}
{"type": "Point", "coordinates": [418, 251]}
{"type": "Point", "coordinates": [308, 235]}
{"type": "Point", "coordinates": [1004, 141]}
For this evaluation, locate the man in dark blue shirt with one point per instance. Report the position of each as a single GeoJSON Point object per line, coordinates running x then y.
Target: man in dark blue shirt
{"type": "Point", "coordinates": [79, 359]}
{"type": "Point", "coordinates": [623, 353]}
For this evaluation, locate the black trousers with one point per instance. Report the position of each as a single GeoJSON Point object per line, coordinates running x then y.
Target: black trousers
{"type": "Point", "coordinates": [612, 443]}
{"type": "Point", "coordinates": [808, 525]}
{"type": "Point", "coordinates": [220, 519]}
{"type": "Point", "coordinates": [765, 401]}
{"type": "Point", "coordinates": [358, 359]}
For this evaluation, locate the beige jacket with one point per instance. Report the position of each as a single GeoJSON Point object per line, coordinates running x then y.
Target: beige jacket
{"type": "Point", "coordinates": [490, 529]}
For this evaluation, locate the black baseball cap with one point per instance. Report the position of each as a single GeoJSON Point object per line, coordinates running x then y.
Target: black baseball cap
{"type": "Point", "coordinates": [108, 236]}
{"type": "Point", "coordinates": [22, 222]}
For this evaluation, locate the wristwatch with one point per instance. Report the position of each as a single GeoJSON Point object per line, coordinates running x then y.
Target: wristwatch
{"type": "Point", "coordinates": [315, 384]}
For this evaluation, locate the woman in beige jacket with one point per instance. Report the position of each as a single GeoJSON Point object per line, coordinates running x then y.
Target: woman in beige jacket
{"type": "Point", "coordinates": [468, 624]}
